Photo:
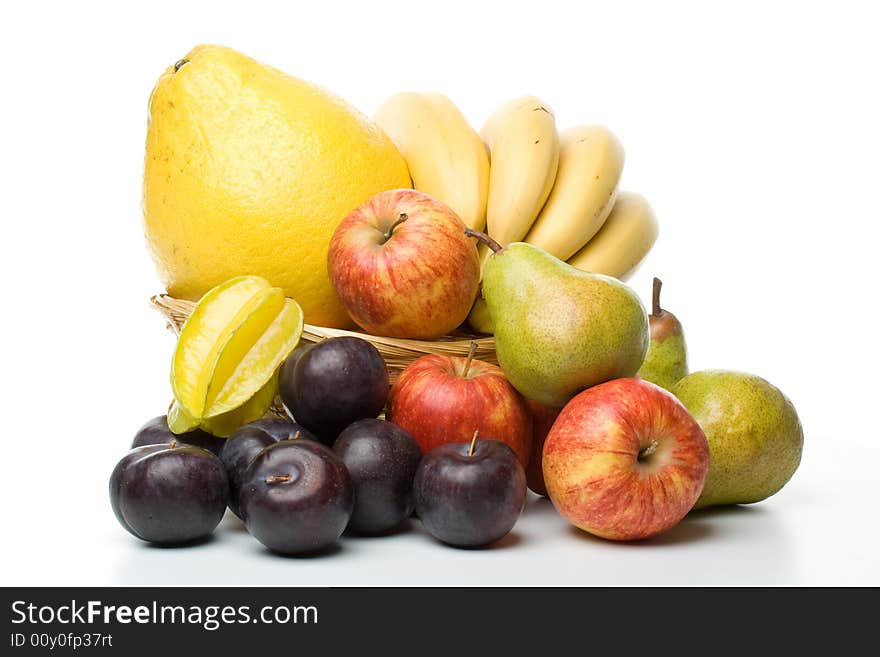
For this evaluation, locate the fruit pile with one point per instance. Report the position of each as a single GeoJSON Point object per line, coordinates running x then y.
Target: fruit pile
{"type": "Point", "coordinates": [273, 203]}
{"type": "Point", "coordinates": [298, 485]}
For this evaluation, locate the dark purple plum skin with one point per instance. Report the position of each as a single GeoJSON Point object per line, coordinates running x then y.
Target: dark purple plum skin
{"type": "Point", "coordinates": [334, 383]}
{"type": "Point", "coordinates": [169, 493]}
{"type": "Point", "coordinates": [278, 428]}
{"type": "Point", "coordinates": [382, 459]}
{"type": "Point", "coordinates": [156, 432]}
{"type": "Point", "coordinates": [243, 446]}
{"type": "Point", "coordinates": [285, 374]}
{"type": "Point", "coordinates": [470, 501]}
{"type": "Point", "coordinates": [304, 513]}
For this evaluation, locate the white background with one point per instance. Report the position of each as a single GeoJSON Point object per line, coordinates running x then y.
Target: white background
{"type": "Point", "coordinates": [752, 129]}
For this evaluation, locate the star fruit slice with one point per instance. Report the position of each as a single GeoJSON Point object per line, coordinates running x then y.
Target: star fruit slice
{"type": "Point", "coordinates": [231, 346]}
{"type": "Point", "coordinates": [223, 426]}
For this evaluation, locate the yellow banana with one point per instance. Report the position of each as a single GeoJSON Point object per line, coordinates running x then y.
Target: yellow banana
{"type": "Point", "coordinates": [590, 164]}
{"type": "Point", "coordinates": [446, 157]}
{"type": "Point", "coordinates": [523, 157]}
{"type": "Point", "coordinates": [478, 318]}
{"type": "Point", "coordinates": [623, 241]}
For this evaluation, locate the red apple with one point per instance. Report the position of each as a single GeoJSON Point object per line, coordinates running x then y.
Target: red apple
{"type": "Point", "coordinates": [403, 267]}
{"type": "Point", "coordinates": [625, 460]}
{"type": "Point", "coordinates": [543, 417]}
{"type": "Point", "coordinates": [442, 399]}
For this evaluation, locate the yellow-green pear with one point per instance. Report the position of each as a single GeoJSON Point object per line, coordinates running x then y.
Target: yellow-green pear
{"type": "Point", "coordinates": [754, 434]}
{"type": "Point", "coordinates": [559, 330]}
{"type": "Point", "coordinates": [666, 362]}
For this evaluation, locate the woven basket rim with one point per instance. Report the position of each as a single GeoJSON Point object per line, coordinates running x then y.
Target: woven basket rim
{"type": "Point", "coordinates": [176, 310]}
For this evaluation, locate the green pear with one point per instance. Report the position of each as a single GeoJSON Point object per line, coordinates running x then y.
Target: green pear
{"type": "Point", "coordinates": [558, 329]}
{"type": "Point", "coordinates": [754, 434]}
{"type": "Point", "coordinates": [666, 361]}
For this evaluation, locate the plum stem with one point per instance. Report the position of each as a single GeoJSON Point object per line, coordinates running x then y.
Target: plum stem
{"type": "Point", "coordinates": [403, 217]}
{"type": "Point", "coordinates": [172, 444]}
{"type": "Point", "coordinates": [485, 239]}
{"type": "Point", "coordinates": [296, 436]}
{"type": "Point", "coordinates": [473, 442]}
{"type": "Point", "coordinates": [656, 310]}
{"type": "Point", "coordinates": [278, 479]}
{"type": "Point", "coordinates": [470, 357]}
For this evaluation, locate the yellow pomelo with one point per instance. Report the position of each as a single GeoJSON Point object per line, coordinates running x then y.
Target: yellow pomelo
{"type": "Point", "coordinates": [249, 171]}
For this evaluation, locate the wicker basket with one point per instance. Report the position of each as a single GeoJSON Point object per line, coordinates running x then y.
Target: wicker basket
{"type": "Point", "coordinates": [397, 352]}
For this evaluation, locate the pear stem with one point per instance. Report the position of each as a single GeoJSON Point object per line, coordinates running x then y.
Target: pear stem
{"type": "Point", "coordinates": [485, 239]}
{"type": "Point", "coordinates": [473, 443]}
{"type": "Point", "coordinates": [656, 310]}
{"type": "Point", "coordinates": [470, 358]}
{"type": "Point", "coordinates": [403, 217]}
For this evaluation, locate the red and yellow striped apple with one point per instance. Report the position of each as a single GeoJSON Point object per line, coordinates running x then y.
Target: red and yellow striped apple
{"type": "Point", "coordinates": [625, 460]}
{"type": "Point", "coordinates": [442, 399]}
{"type": "Point", "coordinates": [403, 267]}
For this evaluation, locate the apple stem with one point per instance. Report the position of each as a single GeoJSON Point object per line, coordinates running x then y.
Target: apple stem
{"type": "Point", "coordinates": [485, 239]}
{"type": "Point", "coordinates": [403, 217]}
{"type": "Point", "coordinates": [650, 449]}
{"type": "Point", "coordinates": [278, 479]}
{"type": "Point", "coordinates": [656, 310]}
{"type": "Point", "coordinates": [470, 358]}
{"type": "Point", "coordinates": [473, 442]}
{"type": "Point", "coordinates": [179, 63]}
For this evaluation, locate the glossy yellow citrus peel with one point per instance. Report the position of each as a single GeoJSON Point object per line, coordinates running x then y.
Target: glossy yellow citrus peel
{"type": "Point", "coordinates": [224, 368]}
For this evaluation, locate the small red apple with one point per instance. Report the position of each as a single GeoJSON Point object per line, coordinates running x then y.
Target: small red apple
{"type": "Point", "coordinates": [625, 460]}
{"type": "Point", "coordinates": [543, 417]}
{"type": "Point", "coordinates": [442, 399]}
{"type": "Point", "coordinates": [403, 267]}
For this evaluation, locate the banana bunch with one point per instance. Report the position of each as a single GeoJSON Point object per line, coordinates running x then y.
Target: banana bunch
{"type": "Point", "coordinates": [522, 180]}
